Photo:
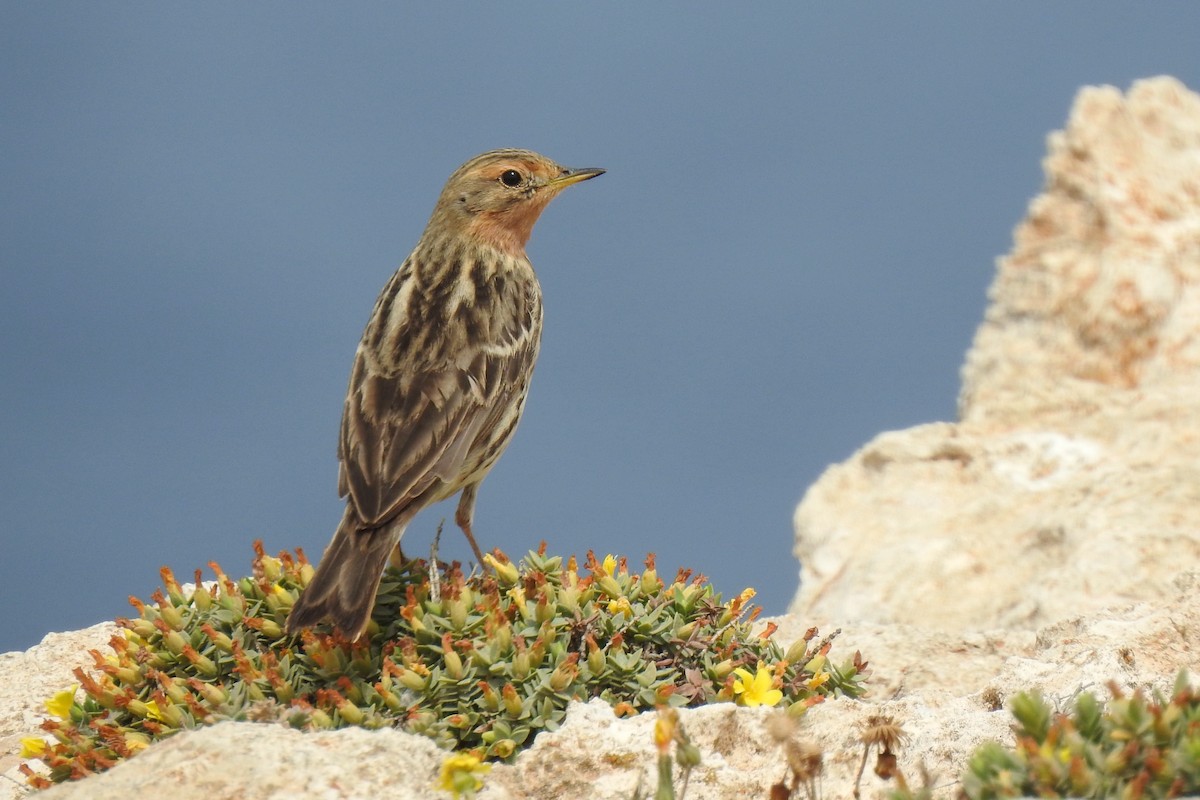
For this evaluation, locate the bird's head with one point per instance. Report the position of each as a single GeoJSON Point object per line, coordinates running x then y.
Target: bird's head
{"type": "Point", "coordinates": [495, 198]}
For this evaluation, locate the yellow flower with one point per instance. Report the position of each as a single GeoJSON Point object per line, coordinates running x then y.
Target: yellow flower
{"type": "Point", "coordinates": [755, 690]}
{"type": "Point", "coordinates": [60, 705]}
{"type": "Point", "coordinates": [817, 680]}
{"type": "Point", "coordinates": [152, 711]}
{"type": "Point", "coordinates": [136, 741]}
{"type": "Point", "coordinates": [32, 746]}
{"type": "Point", "coordinates": [664, 728]}
{"type": "Point", "coordinates": [620, 606]}
{"type": "Point", "coordinates": [610, 564]}
{"type": "Point", "coordinates": [746, 596]}
{"type": "Point", "coordinates": [736, 605]}
{"type": "Point", "coordinates": [462, 774]}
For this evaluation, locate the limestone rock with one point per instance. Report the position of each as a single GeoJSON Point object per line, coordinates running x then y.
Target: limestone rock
{"type": "Point", "coordinates": [1071, 482]}
{"type": "Point", "coordinates": [1101, 294]}
{"type": "Point", "coordinates": [238, 760]}
{"type": "Point", "coordinates": [27, 679]}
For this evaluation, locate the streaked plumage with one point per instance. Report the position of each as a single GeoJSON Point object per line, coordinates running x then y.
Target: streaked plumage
{"type": "Point", "coordinates": [440, 377]}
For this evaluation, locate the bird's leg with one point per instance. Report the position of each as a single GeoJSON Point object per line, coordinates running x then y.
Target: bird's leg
{"type": "Point", "coordinates": [465, 514]}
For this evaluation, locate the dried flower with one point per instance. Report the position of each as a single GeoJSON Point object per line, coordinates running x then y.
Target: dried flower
{"type": "Point", "coordinates": [883, 731]}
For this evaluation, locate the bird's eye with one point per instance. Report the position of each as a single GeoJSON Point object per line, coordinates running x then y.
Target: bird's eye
{"type": "Point", "coordinates": [510, 178]}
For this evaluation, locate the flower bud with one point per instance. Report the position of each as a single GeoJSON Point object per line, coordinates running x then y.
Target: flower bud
{"type": "Point", "coordinates": [280, 599]}
{"type": "Point", "coordinates": [491, 700]}
{"type": "Point", "coordinates": [283, 691]}
{"type": "Point", "coordinates": [236, 606]}
{"type": "Point", "coordinates": [174, 590]}
{"type": "Point", "coordinates": [144, 628]}
{"type": "Point", "coordinates": [201, 599]}
{"type": "Point", "coordinates": [568, 598]}
{"type": "Point", "coordinates": [595, 661]}
{"type": "Point", "coordinates": [218, 638]}
{"type": "Point", "coordinates": [172, 616]}
{"type": "Point", "coordinates": [565, 673]}
{"type": "Point", "coordinates": [458, 614]}
{"type": "Point", "coordinates": [687, 755]}
{"type": "Point", "coordinates": [506, 572]}
{"type": "Point", "coordinates": [270, 628]}
{"type": "Point", "coordinates": [512, 703]}
{"type": "Point", "coordinates": [502, 638]}
{"type": "Point", "coordinates": [650, 583]}
{"type": "Point", "coordinates": [544, 610]}
{"type": "Point", "coordinates": [272, 568]}
{"type": "Point", "coordinates": [411, 679]}
{"type": "Point", "coordinates": [609, 586]}
{"type": "Point", "coordinates": [174, 642]}
{"type": "Point", "coordinates": [521, 665]}
{"type": "Point", "coordinates": [390, 699]}
{"type": "Point", "coordinates": [796, 652]}
{"type": "Point", "coordinates": [176, 690]}
{"type": "Point", "coordinates": [213, 694]}
{"type": "Point", "coordinates": [453, 661]}
{"type": "Point", "coordinates": [128, 675]}
{"type": "Point", "coordinates": [350, 712]}
{"type": "Point", "coordinates": [202, 662]}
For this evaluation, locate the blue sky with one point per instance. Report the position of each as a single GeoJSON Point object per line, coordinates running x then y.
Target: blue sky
{"type": "Point", "coordinates": [789, 254]}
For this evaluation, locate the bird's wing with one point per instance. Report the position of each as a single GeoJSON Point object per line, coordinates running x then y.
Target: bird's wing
{"type": "Point", "coordinates": [410, 433]}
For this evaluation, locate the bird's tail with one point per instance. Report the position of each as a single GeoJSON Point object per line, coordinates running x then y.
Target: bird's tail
{"type": "Point", "coordinates": [344, 586]}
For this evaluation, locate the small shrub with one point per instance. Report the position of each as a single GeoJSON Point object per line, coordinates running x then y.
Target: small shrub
{"type": "Point", "coordinates": [480, 662]}
{"type": "Point", "coordinates": [1131, 747]}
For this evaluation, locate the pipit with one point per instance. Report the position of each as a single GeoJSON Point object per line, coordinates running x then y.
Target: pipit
{"type": "Point", "coordinates": [440, 377]}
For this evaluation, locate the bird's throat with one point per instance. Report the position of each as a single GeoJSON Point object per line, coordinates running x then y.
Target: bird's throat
{"type": "Point", "coordinates": [507, 231]}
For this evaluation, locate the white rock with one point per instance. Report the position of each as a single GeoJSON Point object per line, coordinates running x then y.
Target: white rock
{"type": "Point", "coordinates": [1050, 539]}
{"type": "Point", "coordinates": [27, 680]}
{"type": "Point", "coordinates": [238, 760]}
{"type": "Point", "coordinates": [1071, 482]}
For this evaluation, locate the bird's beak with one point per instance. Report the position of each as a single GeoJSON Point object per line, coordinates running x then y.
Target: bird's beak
{"type": "Point", "coordinates": [570, 176]}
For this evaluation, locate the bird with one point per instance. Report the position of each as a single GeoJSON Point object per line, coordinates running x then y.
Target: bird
{"type": "Point", "coordinates": [440, 377]}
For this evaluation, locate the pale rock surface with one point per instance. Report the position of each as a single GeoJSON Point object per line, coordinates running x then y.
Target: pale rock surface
{"type": "Point", "coordinates": [27, 679]}
{"type": "Point", "coordinates": [241, 760]}
{"type": "Point", "coordinates": [1072, 481]}
{"type": "Point", "coordinates": [1048, 539]}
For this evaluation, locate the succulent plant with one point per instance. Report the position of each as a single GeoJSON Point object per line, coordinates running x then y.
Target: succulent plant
{"type": "Point", "coordinates": [1133, 746]}
{"type": "Point", "coordinates": [480, 662]}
